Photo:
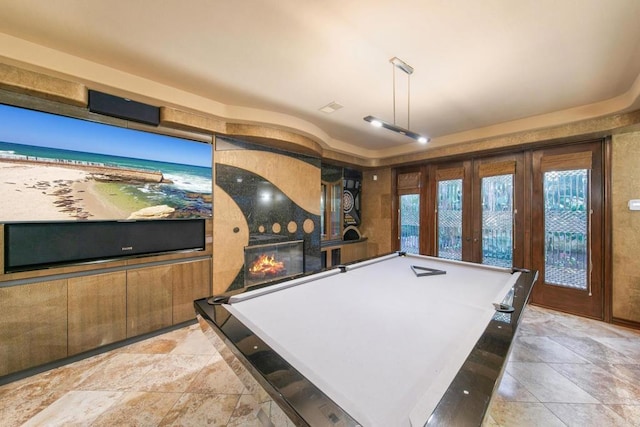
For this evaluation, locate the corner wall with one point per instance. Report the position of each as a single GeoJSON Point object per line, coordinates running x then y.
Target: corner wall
{"type": "Point", "coordinates": [376, 205]}
{"type": "Point", "coordinates": [626, 226]}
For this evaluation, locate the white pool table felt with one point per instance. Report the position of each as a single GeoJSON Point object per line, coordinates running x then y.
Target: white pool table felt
{"type": "Point", "coordinates": [381, 342]}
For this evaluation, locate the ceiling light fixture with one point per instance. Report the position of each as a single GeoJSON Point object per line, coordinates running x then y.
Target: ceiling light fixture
{"type": "Point", "coordinates": [408, 69]}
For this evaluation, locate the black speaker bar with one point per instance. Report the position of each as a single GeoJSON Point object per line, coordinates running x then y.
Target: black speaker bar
{"type": "Point", "coordinates": [123, 108]}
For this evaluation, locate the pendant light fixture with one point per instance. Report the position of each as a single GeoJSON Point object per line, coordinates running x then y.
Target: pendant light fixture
{"type": "Point", "coordinates": [408, 69]}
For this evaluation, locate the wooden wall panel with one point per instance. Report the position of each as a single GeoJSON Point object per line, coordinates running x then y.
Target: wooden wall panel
{"type": "Point", "coordinates": [228, 244]}
{"type": "Point", "coordinates": [191, 281]}
{"type": "Point", "coordinates": [149, 301]}
{"type": "Point", "coordinates": [377, 203]}
{"type": "Point", "coordinates": [353, 252]}
{"type": "Point", "coordinates": [97, 311]}
{"type": "Point", "coordinates": [33, 325]}
{"type": "Point", "coordinates": [626, 227]}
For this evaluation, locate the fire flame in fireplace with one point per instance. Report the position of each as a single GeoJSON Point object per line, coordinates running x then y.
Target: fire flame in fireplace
{"type": "Point", "coordinates": [267, 265]}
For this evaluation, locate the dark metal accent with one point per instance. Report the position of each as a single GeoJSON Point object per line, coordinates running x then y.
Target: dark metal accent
{"type": "Point", "coordinates": [220, 299]}
{"type": "Point", "coordinates": [396, 128]}
{"type": "Point", "coordinates": [504, 308]}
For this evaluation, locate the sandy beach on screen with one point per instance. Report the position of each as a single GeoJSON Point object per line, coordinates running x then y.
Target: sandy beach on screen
{"type": "Point", "coordinates": [42, 192]}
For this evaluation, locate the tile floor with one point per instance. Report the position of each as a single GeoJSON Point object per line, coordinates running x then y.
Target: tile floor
{"type": "Point", "coordinates": [563, 370]}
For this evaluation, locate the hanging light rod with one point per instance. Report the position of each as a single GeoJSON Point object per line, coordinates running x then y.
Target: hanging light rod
{"type": "Point", "coordinates": [379, 123]}
{"type": "Point", "coordinates": [376, 122]}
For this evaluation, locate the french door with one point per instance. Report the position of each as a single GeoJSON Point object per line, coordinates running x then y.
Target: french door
{"type": "Point", "coordinates": [541, 209]}
{"type": "Point", "coordinates": [567, 228]}
{"type": "Point", "coordinates": [478, 211]}
{"type": "Point", "coordinates": [409, 213]}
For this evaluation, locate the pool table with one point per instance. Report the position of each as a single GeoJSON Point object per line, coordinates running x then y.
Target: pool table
{"type": "Point", "coordinates": [396, 340]}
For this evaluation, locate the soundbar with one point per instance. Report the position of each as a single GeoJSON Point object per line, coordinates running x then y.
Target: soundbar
{"type": "Point", "coordinates": [38, 245]}
{"type": "Point", "coordinates": [123, 108]}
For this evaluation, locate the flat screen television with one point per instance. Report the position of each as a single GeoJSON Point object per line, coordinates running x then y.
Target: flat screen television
{"type": "Point", "coordinates": [59, 168]}
{"type": "Point", "coordinates": [39, 245]}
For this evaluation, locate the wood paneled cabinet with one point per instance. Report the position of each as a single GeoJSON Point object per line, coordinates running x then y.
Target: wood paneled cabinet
{"type": "Point", "coordinates": [149, 299]}
{"type": "Point", "coordinates": [97, 311]}
{"type": "Point", "coordinates": [50, 320]}
{"type": "Point", "coordinates": [344, 252]}
{"type": "Point", "coordinates": [190, 282]}
{"type": "Point", "coordinates": [33, 325]}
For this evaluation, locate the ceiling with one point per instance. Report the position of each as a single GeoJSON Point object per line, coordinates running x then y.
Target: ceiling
{"type": "Point", "coordinates": [479, 65]}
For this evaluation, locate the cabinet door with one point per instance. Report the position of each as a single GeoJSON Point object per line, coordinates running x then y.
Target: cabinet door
{"type": "Point", "coordinates": [97, 311]}
{"type": "Point", "coordinates": [191, 281]}
{"type": "Point", "coordinates": [149, 299]}
{"type": "Point", "coordinates": [33, 325]}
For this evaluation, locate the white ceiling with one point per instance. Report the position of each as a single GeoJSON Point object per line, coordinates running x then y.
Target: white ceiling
{"type": "Point", "coordinates": [477, 63]}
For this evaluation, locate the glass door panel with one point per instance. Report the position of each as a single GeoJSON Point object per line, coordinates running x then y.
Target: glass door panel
{"type": "Point", "coordinates": [567, 221]}
{"type": "Point", "coordinates": [449, 219]}
{"type": "Point", "coordinates": [566, 228]}
{"type": "Point", "coordinates": [497, 220]}
{"type": "Point", "coordinates": [410, 223]}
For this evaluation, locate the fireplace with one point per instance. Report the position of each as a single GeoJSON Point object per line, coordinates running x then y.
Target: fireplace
{"type": "Point", "coordinates": [271, 262]}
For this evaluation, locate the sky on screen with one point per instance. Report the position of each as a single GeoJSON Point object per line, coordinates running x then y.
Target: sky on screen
{"type": "Point", "coordinates": [22, 126]}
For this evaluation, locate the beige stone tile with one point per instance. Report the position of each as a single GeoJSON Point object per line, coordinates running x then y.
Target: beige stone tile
{"type": "Point", "coordinates": [160, 344]}
{"type": "Point", "coordinates": [155, 345]}
{"type": "Point", "coordinates": [542, 349]}
{"type": "Point", "coordinates": [173, 372]}
{"type": "Point", "coordinates": [490, 422]}
{"type": "Point", "coordinates": [585, 415]}
{"type": "Point", "coordinates": [630, 373]}
{"type": "Point", "coordinates": [276, 415]}
{"type": "Point", "coordinates": [66, 377]}
{"type": "Point", "coordinates": [195, 342]}
{"type": "Point", "coordinates": [120, 372]}
{"type": "Point", "coordinates": [631, 413]}
{"type": "Point", "coordinates": [75, 408]}
{"type": "Point", "coordinates": [592, 350]}
{"type": "Point", "coordinates": [599, 383]}
{"type": "Point", "coordinates": [630, 347]}
{"type": "Point", "coordinates": [247, 413]}
{"type": "Point", "coordinates": [197, 409]}
{"type": "Point", "coordinates": [524, 414]}
{"type": "Point", "coordinates": [546, 384]}
{"type": "Point", "coordinates": [216, 378]}
{"type": "Point", "coordinates": [512, 391]}
{"type": "Point", "coordinates": [19, 404]}
{"type": "Point", "coordinates": [138, 409]}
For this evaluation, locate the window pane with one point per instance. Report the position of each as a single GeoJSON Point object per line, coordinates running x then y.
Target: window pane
{"type": "Point", "coordinates": [566, 227]}
{"type": "Point", "coordinates": [497, 220]}
{"type": "Point", "coordinates": [410, 223]}
{"type": "Point", "coordinates": [450, 219]}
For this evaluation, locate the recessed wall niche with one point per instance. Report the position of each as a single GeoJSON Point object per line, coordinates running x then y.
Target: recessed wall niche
{"type": "Point", "coordinates": [276, 198]}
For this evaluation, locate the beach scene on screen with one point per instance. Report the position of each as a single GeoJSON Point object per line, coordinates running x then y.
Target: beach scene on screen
{"type": "Point", "coordinates": [60, 168]}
